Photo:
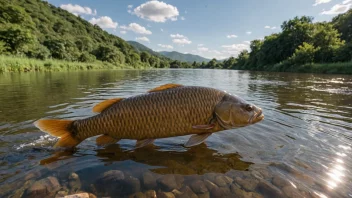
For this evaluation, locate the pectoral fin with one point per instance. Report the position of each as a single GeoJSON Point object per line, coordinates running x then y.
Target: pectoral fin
{"type": "Point", "coordinates": [142, 143]}
{"type": "Point", "coordinates": [105, 104]}
{"type": "Point", "coordinates": [105, 140]}
{"type": "Point", "coordinates": [197, 139]}
{"type": "Point", "coordinates": [205, 127]}
{"type": "Point", "coordinates": [164, 87]}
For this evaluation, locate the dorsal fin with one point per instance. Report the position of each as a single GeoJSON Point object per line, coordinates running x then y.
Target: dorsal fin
{"type": "Point", "coordinates": [164, 87]}
{"type": "Point", "coordinates": [105, 104]}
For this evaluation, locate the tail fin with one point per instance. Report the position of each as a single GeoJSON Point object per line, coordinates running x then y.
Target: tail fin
{"type": "Point", "coordinates": [59, 128]}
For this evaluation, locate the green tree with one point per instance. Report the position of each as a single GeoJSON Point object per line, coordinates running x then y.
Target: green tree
{"type": "Point", "coordinates": [303, 54]}
{"type": "Point", "coordinates": [145, 57]}
{"type": "Point", "coordinates": [342, 23]}
{"type": "Point", "coordinates": [15, 38]}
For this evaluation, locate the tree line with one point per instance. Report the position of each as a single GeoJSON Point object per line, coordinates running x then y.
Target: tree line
{"type": "Point", "coordinates": [37, 29]}
{"type": "Point", "coordinates": [301, 42]}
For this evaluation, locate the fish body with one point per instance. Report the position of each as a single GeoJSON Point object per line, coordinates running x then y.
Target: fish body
{"type": "Point", "coordinates": [167, 111]}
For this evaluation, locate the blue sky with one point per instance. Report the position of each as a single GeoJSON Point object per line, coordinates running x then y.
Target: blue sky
{"type": "Point", "coordinates": [208, 28]}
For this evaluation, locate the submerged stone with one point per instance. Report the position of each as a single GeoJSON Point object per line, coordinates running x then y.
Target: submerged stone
{"type": "Point", "coordinates": [74, 182]}
{"type": "Point", "coordinates": [149, 180]}
{"type": "Point", "coordinates": [198, 187]}
{"type": "Point", "coordinates": [167, 182]}
{"type": "Point", "coordinates": [46, 187]}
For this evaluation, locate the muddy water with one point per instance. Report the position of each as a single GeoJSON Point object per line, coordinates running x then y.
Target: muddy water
{"type": "Point", "coordinates": [301, 149]}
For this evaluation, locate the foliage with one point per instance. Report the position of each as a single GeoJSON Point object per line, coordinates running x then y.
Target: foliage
{"type": "Point", "coordinates": [37, 29]}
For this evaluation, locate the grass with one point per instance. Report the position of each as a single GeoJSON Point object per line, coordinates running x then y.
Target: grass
{"type": "Point", "coordinates": [322, 68]}
{"type": "Point", "coordinates": [22, 64]}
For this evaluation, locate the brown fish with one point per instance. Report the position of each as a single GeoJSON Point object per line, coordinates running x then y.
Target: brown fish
{"type": "Point", "coordinates": [166, 111]}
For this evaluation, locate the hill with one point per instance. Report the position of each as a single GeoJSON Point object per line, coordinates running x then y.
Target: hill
{"type": "Point", "coordinates": [37, 29]}
{"type": "Point", "coordinates": [142, 48]}
{"type": "Point", "coordinates": [184, 57]}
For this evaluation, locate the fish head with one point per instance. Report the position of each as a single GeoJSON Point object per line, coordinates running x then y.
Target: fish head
{"type": "Point", "coordinates": [234, 112]}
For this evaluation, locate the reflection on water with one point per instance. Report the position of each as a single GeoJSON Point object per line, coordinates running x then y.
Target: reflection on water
{"type": "Point", "coordinates": [301, 149]}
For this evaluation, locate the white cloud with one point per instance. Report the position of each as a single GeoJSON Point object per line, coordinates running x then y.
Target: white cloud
{"type": "Point", "coordinates": [200, 45]}
{"type": "Point", "coordinates": [135, 27]}
{"type": "Point", "coordinates": [273, 28]}
{"type": "Point", "coordinates": [247, 42]}
{"type": "Point", "coordinates": [234, 49]}
{"type": "Point", "coordinates": [317, 2]}
{"type": "Point", "coordinates": [248, 32]}
{"type": "Point", "coordinates": [104, 22]}
{"type": "Point", "coordinates": [183, 18]}
{"type": "Point", "coordinates": [123, 32]}
{"type": "Point", "coordinates": [177, 36]}
{"type": "Point", "coordinates": [156, 11]}
{"type": "Point", "coordinates": [232, 36]}
{"type": "Point", "coordinates": [182, 41]}
{"type": "Point", "coordinates": [346, 1]}
{"type": "Point", "coordinates": [161, 29]}
{"type": "Point", "coordinates": [338, 8]}
{"type": "Point", "coordinates": [77, 9]}
{"type": "Point", "coordinates": [203, 49]}
{"type": "Point", "coordinates": [130, 6]}
{"type": "Point", "coordinates": [267, 27]}
{"type": "Point", "coordinates": [143, 39]}
{"type": "Point", "coordinates": [166, 46]}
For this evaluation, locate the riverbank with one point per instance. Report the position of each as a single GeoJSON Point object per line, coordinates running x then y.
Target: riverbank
{"type": "Point", "coordinates": [22, 64]}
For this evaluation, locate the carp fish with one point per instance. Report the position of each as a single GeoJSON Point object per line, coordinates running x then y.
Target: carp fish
{"type": "Point", "coordinates": [166, 111]}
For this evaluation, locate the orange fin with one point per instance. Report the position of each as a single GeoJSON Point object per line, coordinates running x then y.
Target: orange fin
{"type": "Point", "coordinates": [197, 139]}
{"type": "Point", "coordinates": [164, 87]}
{"type": "Point", "coordinates": [59, 128]}
{"type": "Point", "coordinates": [105, 104]}
{"type": "Point", "coordinates": [142, 143]}
{"type": "Point", "coordinates": [105, 140]}
{"type": "Point", "coordinates": [205, 127]}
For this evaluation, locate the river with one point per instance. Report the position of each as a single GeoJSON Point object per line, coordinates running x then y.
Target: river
{"type": "Point", "coordinates": [301, 149]}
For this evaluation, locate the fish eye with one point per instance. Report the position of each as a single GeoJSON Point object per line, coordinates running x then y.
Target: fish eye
{"type": "Point", "coordinates": [249, 107]}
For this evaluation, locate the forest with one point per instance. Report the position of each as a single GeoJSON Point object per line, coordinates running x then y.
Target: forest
{"type": "Point", "coordinates": [302, 46]}
{"type": "Point", "coordinates": [35, 29]}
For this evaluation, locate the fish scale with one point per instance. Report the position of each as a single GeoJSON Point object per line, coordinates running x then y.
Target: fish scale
{"type": "Point", "coordinates": [154, 115]}
{"type": "Point", "coordinates": [166, 111]}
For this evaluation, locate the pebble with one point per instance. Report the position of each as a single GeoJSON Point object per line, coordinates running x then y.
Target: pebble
{"type": "Point", "coordinates": [210, 185]}
{"type": "Point", "coordinates": [79, 195]}
{"type": "Point", "coordinates": [74, 182]}
{"type": "Point", "coordinates": [220, 192]}
{"type": "Point", "coordinates": [222, 180]}
{"type": "Point", "coordinates": [149, 181]}
{"type": "Point", "coordinates": [186, 193]}
{"type": "Point", "coordinates": [291, 192]}
{"type": "Point", "coordinates": [198, 187]}
{"type": "Point", "coordinates": [247, 184]}
{"type": "Point", "coordinates": [167, 183]}
{"type": "Point", "coordinates": [150, 194]}
{"type": "Point", "coordinates": [165, 195]}
{"type": "Point", "coordinates": [46, 187]}
{"type": "Point", "coordinates": [279, 181]}
{"type": "Point", "coordinates": [268, 189]}
{"type": "Point", "coordinates": [137, 195]}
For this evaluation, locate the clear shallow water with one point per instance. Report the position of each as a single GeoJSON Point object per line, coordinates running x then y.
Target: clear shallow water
{"type": "Point", "coordinates": [302, 148]}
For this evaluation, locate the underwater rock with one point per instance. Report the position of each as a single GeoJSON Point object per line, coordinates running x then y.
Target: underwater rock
{"type": "Point", "coordinates": [247, 184]}
{"type": "Point", "coordinates": [204, 195]}
{"type": "Point", "coordinates": [186, 193]}
{"type": "Point", "coordinates": [150, 194]}
{"type": "Point", "coordinates": [131, 185]}
{"type": "Point", "coordinates": [198, 187]}
{"type": "Point", "coordinates": [220, 192]}
{"type": "Point", "coordinates": [61, 193]}
{"type": "Point", "coordinates": [165, 195]}
{"type": "Point", "coordinates": [291, 192]}
{"type": "Point", "coordinates": [74, 182]}
{"type": "Point", "coordinates": [268, 189]}
{"type": "Point", "coordinates": [46, 187]}
{"type": "Point", "coordinates": [149, 180]}
{"type": "Point", "coordinates": [210, 185]}
{"type": "Point", "coordinates": [167, 183]}
{"type": "Point", "coordinates": [239, 193]}
{"type": "Point", "coordinates": [279, 181]}
{"type": "Point", "coordinates": [79, 195]}
{"type": "Point", "coordinates": [137, 195]}
{"type": "Point", "coordinates": [222, 180]}
{"type": "Point", "coordinates": [110, 183]}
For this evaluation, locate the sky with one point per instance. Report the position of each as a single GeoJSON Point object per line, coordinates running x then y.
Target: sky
{"type": "Point", "coordinates": [209, 28]}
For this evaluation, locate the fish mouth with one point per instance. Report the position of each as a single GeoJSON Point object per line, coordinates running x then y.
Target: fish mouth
{"type": "Point", "coordinates": [258, 116]}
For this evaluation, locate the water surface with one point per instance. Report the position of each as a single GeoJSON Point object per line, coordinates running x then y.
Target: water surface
{"type": "Point", "coordinates": [302, 148]}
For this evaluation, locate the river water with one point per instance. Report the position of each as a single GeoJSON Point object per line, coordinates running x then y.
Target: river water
{"type": "Point", "coordinates": [301, 149]}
